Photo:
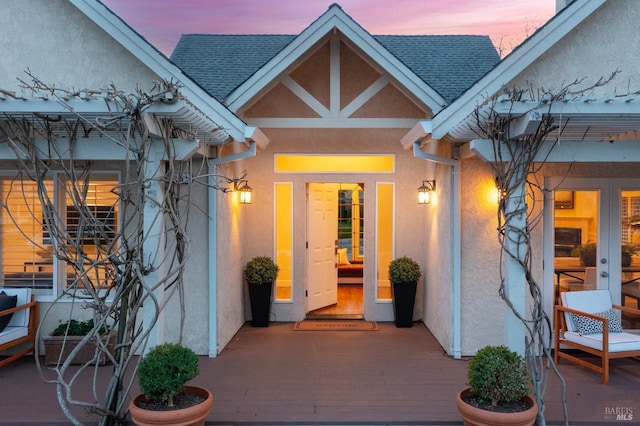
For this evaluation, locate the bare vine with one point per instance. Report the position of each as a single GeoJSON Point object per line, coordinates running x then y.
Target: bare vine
{"type": "Point", "coordinates": [110, 267]}
{"type": "Point", "coordinates": [518, 160]}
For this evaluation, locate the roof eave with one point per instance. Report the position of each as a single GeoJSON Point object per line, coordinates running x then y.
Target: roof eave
{"type": "Point", "coordinates": [506, 70]}
{"type": "Point", "coordinates": [161, 65]}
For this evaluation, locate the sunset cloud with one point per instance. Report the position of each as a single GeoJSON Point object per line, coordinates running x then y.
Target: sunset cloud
{"type": "Point", "coordinates": [162, 22]}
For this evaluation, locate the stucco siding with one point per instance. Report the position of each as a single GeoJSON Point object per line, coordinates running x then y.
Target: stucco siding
{"type": "Point", "coordinates": [63, 47]}
{"type": "Point", "coordinates": [231, 296]}
{"type": "Point", "coordinates": [593, 50]}
{"type": "Point", "coordinates": [437, 254]}
{"type": "Point", "coordinates": [482, 309]}
{"type": "Point", "coordinates": [196, 281]}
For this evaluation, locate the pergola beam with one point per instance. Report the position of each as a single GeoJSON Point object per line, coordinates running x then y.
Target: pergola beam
{"type": "Point", "coordinates": [94, 148]}
{"type": "Point", "coordinates": [621, 151]}
{"type": "Point", "coordinates": [100, 109]}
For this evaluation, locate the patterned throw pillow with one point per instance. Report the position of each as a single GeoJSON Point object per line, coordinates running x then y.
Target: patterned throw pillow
{"type": "Point", "coordinates": [587, 325]}
{"type": "Point", "coordinates": [6, 302]}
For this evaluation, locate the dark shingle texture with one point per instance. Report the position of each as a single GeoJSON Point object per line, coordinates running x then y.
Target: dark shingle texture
{"type": "Point", "coordinates": [449, 64]}
{"type": "Point", "coordinates": [220, 63]}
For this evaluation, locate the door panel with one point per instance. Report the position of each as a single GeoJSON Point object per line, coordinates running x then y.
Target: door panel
{"type": "Point", "coordinates": [322, 234]}
{"type": "Point", "coordinates": [577, 247]}
{"type": "Point", "coordinates": [604, 213]}
{"type": "Point", "coordinates": [626, 277]}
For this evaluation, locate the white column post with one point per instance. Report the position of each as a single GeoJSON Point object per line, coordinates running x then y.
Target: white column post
{"type": "Point", "coordinates": [514, 274]}
{"type": "Point", "coordinates": [154, 238]}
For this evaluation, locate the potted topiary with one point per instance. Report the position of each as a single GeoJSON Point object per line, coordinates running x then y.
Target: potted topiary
{"type": "Point", "coordinates": [587, 253]}
{"type": "Point", "coordinates": [260, 273]}
{"type": "Point", "coordinates": [498, 392]}
{"type": "Point", "coordinates": [165, 400]}
{"type": "Point", "coordinates": [64, 339]}
{"type": "Point", "coordinates": [404, 274]}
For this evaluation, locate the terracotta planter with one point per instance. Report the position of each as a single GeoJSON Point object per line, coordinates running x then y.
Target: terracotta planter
{"type": "Point", "coordinates": [53, 345]}
{"type": "Point", "coordinates": [473, 416]}
{"type": "Point", "coordinates": [195, 415]}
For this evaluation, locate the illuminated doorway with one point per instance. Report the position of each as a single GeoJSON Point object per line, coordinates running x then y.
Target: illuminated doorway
{"type": "Point", "coordinates": [336, 225]}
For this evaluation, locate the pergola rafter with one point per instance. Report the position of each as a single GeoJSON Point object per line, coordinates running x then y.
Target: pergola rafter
{"type": "Point", "coordinates": [578, 119]}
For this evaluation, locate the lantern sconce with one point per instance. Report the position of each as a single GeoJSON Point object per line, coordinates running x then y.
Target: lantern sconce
{"type": "Point", "coordinates": [425, 190]}
{"type": "Point", "coordinates": [245, 191]}
{"type": "Point", "coordinates": [500, 190]}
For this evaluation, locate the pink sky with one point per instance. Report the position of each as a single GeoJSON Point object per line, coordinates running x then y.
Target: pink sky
{"type": "Point", "coordinates": [162, 22]}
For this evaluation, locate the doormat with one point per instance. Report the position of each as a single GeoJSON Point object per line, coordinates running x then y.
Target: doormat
{"type": "Point", "coordinates": [335, 325]}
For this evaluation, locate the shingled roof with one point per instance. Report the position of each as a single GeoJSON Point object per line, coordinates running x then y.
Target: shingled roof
{"type": "Point", "coordinates": [448, 63]}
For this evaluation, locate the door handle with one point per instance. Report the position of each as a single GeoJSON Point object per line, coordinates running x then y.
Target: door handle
{"type": "Point", "coordinates": [604, 274]}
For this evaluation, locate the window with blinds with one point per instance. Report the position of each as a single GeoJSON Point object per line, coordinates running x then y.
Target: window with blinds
{"type": "Point", "coordinates": [26, 246]}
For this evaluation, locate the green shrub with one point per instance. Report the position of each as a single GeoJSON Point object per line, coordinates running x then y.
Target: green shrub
{"type": "Point", "coordinates": [261, 270]}
{"type": "Point", "coordinates": [76, 328]}
{"type": "Point", "coordinates": [404, 270]}
{"type": "Point", "coordinates": [587, 253]}
{"type": "Point", "coordinates": [163, 372]}
{"type": "Point", "coordinates": [498, 374]}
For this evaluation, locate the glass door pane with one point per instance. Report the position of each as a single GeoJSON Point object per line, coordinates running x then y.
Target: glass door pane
{"type": "Point", "coordinates": [630, 261]}
{"type": "Point", "coordinates": [576, 244]}
{"type": "Point", "coordinates": [284, 240]}
{"type": "Point", "coordinates": [384, 239]}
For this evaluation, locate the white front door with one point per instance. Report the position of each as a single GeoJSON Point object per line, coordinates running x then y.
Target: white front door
{"type": "Point", "coordinates": [322, 236]}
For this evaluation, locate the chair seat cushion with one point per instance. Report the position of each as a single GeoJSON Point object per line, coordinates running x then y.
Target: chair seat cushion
{"type": "Point", "coordinates": [6, 302]}
{"type": "Point", "coordinates": [13, 333]}
{"type": "Point", "coordinates": [618, 342]}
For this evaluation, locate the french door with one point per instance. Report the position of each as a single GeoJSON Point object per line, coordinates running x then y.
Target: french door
{"type": "Point", "coordinates": [600, 220]}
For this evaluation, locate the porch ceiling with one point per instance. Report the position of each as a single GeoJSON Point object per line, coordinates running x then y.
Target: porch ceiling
{"type": "Point", "coordinates": [105, 112]}
{"type": "Point", "coordinates": [584, 119]}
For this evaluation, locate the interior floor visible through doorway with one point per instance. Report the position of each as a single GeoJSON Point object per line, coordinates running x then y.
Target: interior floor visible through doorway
{"type": "Point", "coordinates": [350, 305]}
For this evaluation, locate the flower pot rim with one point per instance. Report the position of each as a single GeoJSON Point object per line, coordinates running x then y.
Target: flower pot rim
{"type": "Point", "coordinates": [526, 417]}
{"type": "Point", "coordinates": [189, 415]}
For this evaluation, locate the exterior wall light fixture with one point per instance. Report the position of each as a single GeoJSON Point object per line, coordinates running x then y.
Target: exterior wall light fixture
{"type": "Point", "coordinates": [245, 191]}
{"type": "Point", "coordinates": [425, 190]}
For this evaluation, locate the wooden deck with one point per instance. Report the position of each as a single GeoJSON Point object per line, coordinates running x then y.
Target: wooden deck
{"type": "Point", "coordinates": [392, 376]}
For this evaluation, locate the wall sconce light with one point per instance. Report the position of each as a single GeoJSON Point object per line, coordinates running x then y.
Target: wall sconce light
{"type": "Point", "coordinates": [500, 191]}
{"type": "Point", "coordinates": [245, 191]}
{"type": "Point", "coordinates": [425, 190]}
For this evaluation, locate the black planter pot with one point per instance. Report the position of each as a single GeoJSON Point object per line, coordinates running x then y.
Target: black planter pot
{"type": "Point", "coordinates": [404, 297]}
{"type": "Point", "coordinates": [260, 297]}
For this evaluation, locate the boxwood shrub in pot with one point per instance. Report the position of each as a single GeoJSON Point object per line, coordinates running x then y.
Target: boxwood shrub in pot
{"type": "Point", "coordinates": [404, 274]}
{"type": "Point", "coordinates": [498, 392]}
{"type": "Point", "coordinates": [260, 273]}
{"type": "Point", "coordinates": [162, 376]}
